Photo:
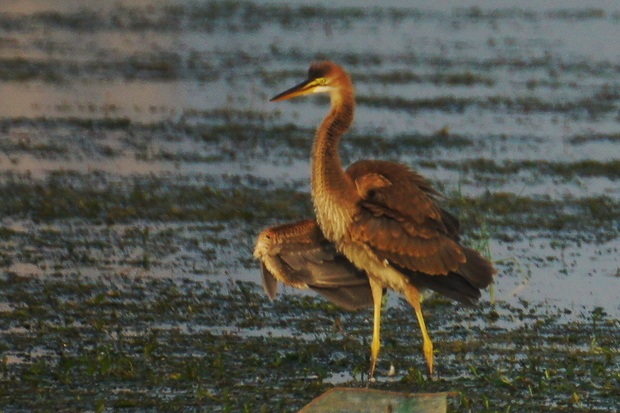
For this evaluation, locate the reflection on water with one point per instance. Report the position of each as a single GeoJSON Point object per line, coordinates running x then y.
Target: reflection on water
{"type": "Point", "coordinates": [68, 6]}
{"type": "Point", "coordinates": [141, 101]}
{"type": "Point", "coordinates": [29, 6]}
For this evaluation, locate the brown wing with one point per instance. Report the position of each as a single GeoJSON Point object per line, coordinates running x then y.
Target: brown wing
{"type": "Point", "coordinates": [464, 285]}
{"type": "Point", "coordinates": [298, 254]}
{"type": "Point", "coordinates": [398, 219]}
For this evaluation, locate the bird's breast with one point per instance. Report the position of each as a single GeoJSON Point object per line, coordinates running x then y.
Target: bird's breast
{"type": "Point", "coordinates": [334, 213]}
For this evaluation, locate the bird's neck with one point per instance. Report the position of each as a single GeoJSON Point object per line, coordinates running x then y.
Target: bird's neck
{"type": "Point", "coordinates": [332, 190]}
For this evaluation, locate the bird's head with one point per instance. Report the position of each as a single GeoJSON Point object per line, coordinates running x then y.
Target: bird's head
{"type": "Point", "coordinates": [323, 77]}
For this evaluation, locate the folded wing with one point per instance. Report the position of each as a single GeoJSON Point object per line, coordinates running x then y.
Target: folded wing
{"type": "Point", "coordinates": [398, 219]}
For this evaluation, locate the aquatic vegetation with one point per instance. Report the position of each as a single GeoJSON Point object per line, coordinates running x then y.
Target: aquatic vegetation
{"type": "Point", "coordinates": [203, 342]}
{"type": "Point", "coordinates": [139, 157]}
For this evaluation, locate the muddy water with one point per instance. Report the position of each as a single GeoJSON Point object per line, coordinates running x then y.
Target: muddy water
{"type": "Point", "coordinates": [136, 142]}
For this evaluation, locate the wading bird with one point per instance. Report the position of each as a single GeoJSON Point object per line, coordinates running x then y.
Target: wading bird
{"type": "Point", "coordinates": [380, 216]}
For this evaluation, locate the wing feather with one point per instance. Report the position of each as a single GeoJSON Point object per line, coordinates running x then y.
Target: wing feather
{"type": "Point", "coordinates": [397, 217]}
{"type": "Point", "coordinates": [298, 254]}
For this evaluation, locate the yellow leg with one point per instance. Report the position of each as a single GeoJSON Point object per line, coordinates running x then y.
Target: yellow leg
{"type": "Point", "coordinates": [413, 296]}
{"type": "Point", "coordinates": [377, 297]}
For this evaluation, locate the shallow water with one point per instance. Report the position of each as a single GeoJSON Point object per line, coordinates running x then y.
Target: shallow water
{"type": "Point", "coordinates": [137, 142]}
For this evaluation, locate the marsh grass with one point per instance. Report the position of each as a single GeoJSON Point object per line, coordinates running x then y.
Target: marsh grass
{"type": "Point", "coordinates": [132, 331]}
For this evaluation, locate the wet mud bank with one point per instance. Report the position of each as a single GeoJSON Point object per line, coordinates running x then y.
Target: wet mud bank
{"type": "Point", "coordinates": [146, 344]}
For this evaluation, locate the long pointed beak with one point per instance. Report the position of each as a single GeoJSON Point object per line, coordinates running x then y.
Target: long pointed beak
{"type": "Point", "coordinates": [304, 88]}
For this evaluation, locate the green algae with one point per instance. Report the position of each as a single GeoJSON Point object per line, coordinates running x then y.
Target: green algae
{"type": "Point", "coordinates": [595, 137]}
{"type": "Point", "coordinates": [84, 343]}
{"type": "Point", "coordinates": [407, 77]}
{"type": "Point", "coordinates": [452, 104]}
{"type": "Point", "coordinates": [103, 199]}
{"type": "Point", "coordinates": [589, 168]}
{"type": "Point", "coordinates": [72, 195]}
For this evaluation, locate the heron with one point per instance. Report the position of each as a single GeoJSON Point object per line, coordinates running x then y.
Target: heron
{"type": "Point", "coordinates": [381, 217]}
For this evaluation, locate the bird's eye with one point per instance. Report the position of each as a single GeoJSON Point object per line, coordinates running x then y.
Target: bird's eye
{"type": "Point", "coordinates": [321, 81]}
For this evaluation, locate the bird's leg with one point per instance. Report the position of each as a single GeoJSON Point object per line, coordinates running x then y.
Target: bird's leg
{"type": "Point", "coordinates": [377, 298]}
{"type": "Point", "coordinates": [413, 296]}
